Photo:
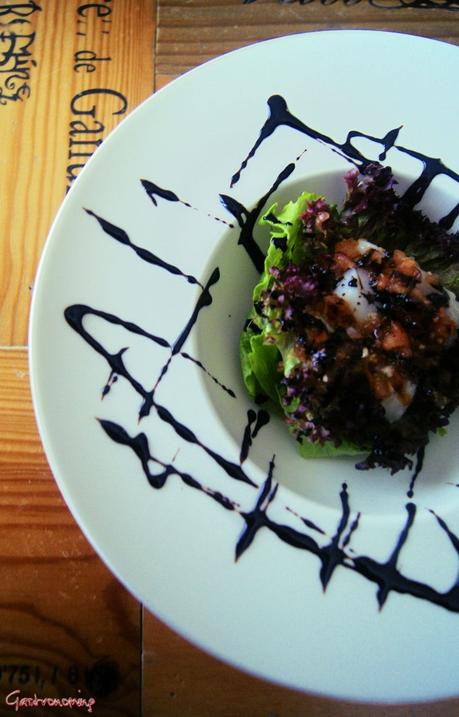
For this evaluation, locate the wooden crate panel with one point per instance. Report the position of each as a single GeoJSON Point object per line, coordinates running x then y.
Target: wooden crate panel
{"type": "Point", "coordinates": [66, 624]}
{"type": "Point", "coordinates": [84, 66]}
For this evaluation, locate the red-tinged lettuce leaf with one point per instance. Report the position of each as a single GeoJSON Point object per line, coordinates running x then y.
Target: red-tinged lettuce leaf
{"type": "Point", "coordinates": [302, 233]}
{"type": "Point", "coordinates": [374, 211]}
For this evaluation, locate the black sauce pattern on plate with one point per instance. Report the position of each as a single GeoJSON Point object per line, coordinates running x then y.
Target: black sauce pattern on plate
{"type": "Point", "coordinates": [332, 551]}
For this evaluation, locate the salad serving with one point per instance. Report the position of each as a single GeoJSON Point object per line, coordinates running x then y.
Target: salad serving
{"type": "Point", "coordinates": [352, 336]}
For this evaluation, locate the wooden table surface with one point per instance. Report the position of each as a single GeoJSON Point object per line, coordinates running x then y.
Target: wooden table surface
{"type": "Point", "coordinates": [67, 627]}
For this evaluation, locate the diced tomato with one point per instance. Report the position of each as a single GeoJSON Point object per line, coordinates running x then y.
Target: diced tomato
{"type": "Point", "coordinates": [406, 264]}
{"type": "Point", "coordinates": [317, 337]}
{"type": "Point", "coordinates": [341, 263]}
{"type": "Point", "coordinates": [444, 328]}
{"type": "Point", "coordinates": [380, 386]}
{"type": "Point", "coordinates": [349, 247]}
{"type": "Point", "coordinates": [336, 311]}
{"type": "Point", "coordinates": [396, 339]}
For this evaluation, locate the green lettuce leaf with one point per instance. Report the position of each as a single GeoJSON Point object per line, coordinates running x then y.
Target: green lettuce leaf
{"type": "Point", "coordinates": [307, 449]}
{"type": "Point", "coordinates": [285, 228]}
{"type": "Point", "coordinates": [260, 358]}
{"type": "Point", "coordinates": [259, 363]}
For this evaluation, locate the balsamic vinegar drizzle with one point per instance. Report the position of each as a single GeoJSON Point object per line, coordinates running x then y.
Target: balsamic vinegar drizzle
{"type": "Point", "coordinates": [332, 555]}
{"type": "Point", "coordinates": [113, 378]}
{"type": "Point", "coordinates": [121, 236]}
{"type": "Point", "coordinates": [387, 576]}
{"type": "Point", "coordinates": [453, 538]}
{"type": "Point", "coordinates": [330, 558]}
{"type": "Point", "coordinates": [205, 299]}
{"type": "Point", "coordinates": [352, 528]}
{"type": "Point", "coordinates": [139, 444]}
{"type": "Point", "coordinates": [260, 419]}
{"type": "Point", "coordinates": [417, 470]}
{"type": "Point", "coordinates": [308, 523]}
{"type": "Point", "coordinates": [229, 391]}
{"type": "Point", "coordinates": [447, 221]}
{"type": "Point", "coordinates": [432, 168]}
{"type": "Point", "coordinates": [280, 115]}
{"type": "Point", "coordinates": [75, 315]}
{"type": "Point", "coordinates": [153, 191]}
{"type": "Point", "coordinates": [247, 219]}
{"type": "Point", "coordinates": [233, 470]}
{"type": "Point", "coordinates": [257, 518]}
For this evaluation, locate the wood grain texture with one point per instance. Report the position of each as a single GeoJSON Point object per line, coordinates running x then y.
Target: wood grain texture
{"type": "Point", "coordinates": [37, 145]}
{"type": "Point", "coordinates": [66, 624]}
{"type": "Point", "coordinates": [190, 33]}
{"type": "Point", "coordinates": [185, 682]}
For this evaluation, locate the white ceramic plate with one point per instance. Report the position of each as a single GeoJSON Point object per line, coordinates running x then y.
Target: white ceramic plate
{"type": "Point", "coordinates": [344, 585]}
